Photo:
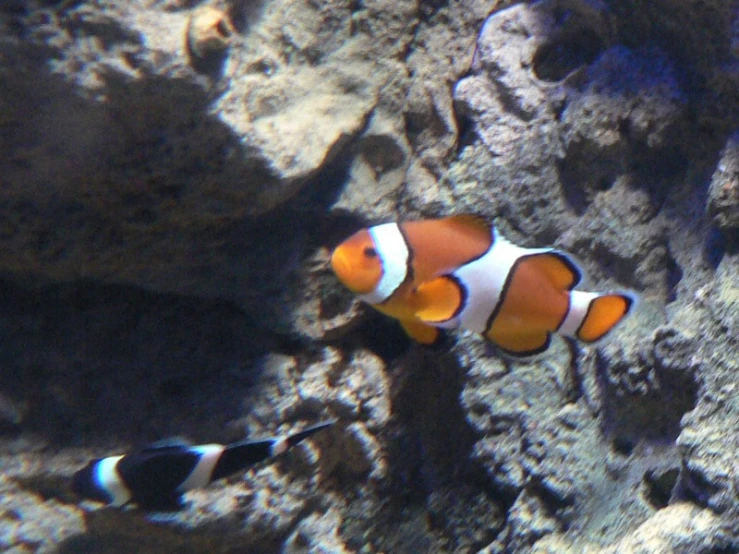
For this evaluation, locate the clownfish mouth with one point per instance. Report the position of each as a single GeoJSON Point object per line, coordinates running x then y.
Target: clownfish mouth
{"type": "Point", "coordinates": [342, 268]}
{"type": "Point", "coordinates": [346, 272]}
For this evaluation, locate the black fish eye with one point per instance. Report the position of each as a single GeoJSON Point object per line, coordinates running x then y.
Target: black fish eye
{"type": "Point", "coordinates": [370, 252]}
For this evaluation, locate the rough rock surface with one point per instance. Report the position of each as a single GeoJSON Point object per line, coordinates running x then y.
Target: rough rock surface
{"type": "Point", "coordinates": [165, 224]}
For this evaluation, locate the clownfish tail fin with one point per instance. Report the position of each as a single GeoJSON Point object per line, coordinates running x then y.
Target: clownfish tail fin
{"type": "Point", "coordinates": [593, 315]}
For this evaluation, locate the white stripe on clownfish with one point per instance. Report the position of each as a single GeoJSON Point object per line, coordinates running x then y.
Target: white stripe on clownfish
{"type": "Point", "coordinates": [579, 304]}
{"type": "Point", "coordinates": [484, 280]}
{"type": "Point", "coordinates": [394, 254]}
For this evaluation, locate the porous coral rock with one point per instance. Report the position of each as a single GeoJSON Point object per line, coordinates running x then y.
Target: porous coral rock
{"type": "Point", "coordinates": [28, 523]}
{"type": "Point", "coordinates": [125, 165]}
{"type": "Point", "coordinates": [723, 194]}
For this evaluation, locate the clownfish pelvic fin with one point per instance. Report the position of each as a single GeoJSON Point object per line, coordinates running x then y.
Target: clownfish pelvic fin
{"type": "Point", "coordinates": [438, 300]}
{"type": "Point", "coordinates": [420, 332]}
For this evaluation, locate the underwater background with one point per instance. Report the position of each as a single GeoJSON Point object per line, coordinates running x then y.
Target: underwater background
{"type": "Point", "coordinates": [174, 175]}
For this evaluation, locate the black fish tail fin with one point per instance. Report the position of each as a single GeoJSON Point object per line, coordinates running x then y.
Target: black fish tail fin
{"type": "Point", "coordinates": [240, 455]}
{"type": "Point", "coordinates": [295, 438]}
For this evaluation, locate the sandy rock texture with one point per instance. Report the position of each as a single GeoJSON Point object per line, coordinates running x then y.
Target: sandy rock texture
{"type": "Point", "coordinates": [174, 174]}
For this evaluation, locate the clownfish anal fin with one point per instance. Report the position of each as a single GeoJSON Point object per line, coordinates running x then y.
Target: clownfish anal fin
{"type": "Point", "coordinates": [604, 312]}
{"type": "Point", "coordinates": [420, 332]}
{"type": "Point", "coordinates": [561, 270]}
{"type": "Point", "coordinates": [439, 299]}
{"type": "Point", "coordinates": [521, 345]}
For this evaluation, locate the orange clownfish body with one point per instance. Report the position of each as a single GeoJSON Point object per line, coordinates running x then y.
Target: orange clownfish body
{"type": "Point", "coordinates": [460, 272]}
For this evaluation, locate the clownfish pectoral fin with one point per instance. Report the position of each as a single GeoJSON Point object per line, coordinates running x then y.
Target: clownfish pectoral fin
{"type": "Point", "coordinates": [603, 313]}
{"type": "Point", "coordinates": [438, 300]}
{"type": "Point", "coordinates": [521, 345]}
{"type": "Point", "coordinates": [420, 332]}
{"type": "Point", "coordinates": [559, 268]}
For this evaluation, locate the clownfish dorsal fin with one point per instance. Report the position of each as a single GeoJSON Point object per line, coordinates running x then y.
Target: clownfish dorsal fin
{"type": "Point", "coordinates": [558, 266]}
{"type": "Point", "coordinates": [473, 221]}
{"type": "Point", "coordinates": [167, 444]}
{"type": "Point", "coordinates": [439, 299]}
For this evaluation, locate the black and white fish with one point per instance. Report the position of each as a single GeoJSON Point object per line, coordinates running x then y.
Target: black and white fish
{"type": "Point", "coordinates": [158, 475]}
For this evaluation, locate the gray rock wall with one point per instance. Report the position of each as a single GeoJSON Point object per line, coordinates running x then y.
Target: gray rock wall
{"type": "Point", "coordinates": [174, 174]}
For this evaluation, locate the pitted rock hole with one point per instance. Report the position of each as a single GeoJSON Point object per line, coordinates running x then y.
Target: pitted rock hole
{"type": "Point", "coordinates": [557, 59]}
{"type": "Point", "coordinates": [659, 486]}
{"type": "Point", "coordinates": [382, 153]}
{"type": "Point", "coordinates": [623, 446]}
{"type": "Point", "coordinates": [645, 397]}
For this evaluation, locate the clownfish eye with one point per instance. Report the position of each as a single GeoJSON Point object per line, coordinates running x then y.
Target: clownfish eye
{"type": "Point", "coordinates": [370, 252]}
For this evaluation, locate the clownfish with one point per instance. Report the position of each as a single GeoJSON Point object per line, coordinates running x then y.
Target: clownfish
{"type": "Point", "coordinates": [460, 272]}
{"type": "Point", "coordinates": [158, 475]}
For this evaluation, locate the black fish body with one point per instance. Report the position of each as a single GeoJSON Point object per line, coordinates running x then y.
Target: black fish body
{"type": "Point", "coordinates": [157, 476]}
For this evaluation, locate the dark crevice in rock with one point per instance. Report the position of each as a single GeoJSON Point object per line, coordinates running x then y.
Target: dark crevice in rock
{"type": "Point", "coordinates": [243, 15]}
{"type": "Point", "coordinates": [510, 102]}
{"type": "Point", "coordinates": [715, 247]}
{"type": "Point", "coordinates": [555, 505]}
{"type": "Point", "coordinates": [645, 399]}
{"type": "Point", "coordinates": [430, 455]}
{"type": "Point", "coordinates": [659, 486]}
{"type": "Point", "coordinates": [575, 194]}
{"type": "Point", "coordinates": [694, 487]}
{"type": "Point", "coordinates": [381, 335]}
{"type": "Point", "coordinates": [577, 390]}
{"type": "Point", "coordinates": [623, 446]}
{"type": "Point", "coordinates": [324, 188]}
{"type": "Point", "coordinates": [660, 164]}
{"type": "Point", "coordinates": [602, 170]}
{"type": "Point", "coordinates": [467, 133]}
{"type": "Point", "coordinates": [674, 276]}
{"type": "Point", "coordinates": [429, 8]}
{"type": "Point", "coordinates": [564, 54]}
{"type": "Point", "coordinates": [72, 366]}
{"type": "Point", "coordinates": [702, 43]}
{"type": "Point", "coordinates": [428, 402]}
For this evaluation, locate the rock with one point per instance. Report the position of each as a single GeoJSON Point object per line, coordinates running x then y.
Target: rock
{"type": "Point", "coordinates": [377, 172]}
{"type": "Point", "coordinates": [723, 194]}
{"type": "Point", "coordinates": [221, 187]}
{"type": "Point", "coordinates": [28, 523]}
{"type": "Point", "coordinates": [704, 439]}
{"type": "Point", "coordinates": [624, 113]}
{"type": "Point", "coordinates": [468, 517]}
{"type": "Point", "coordinates": [681, 528]}
{"type": "Point", "coordinates": [317, 533]}
{"type": "Point", "coordinates": [355, 390]}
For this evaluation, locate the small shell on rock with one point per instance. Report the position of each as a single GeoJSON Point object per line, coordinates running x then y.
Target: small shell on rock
{"type": "Point", "coordinates": [209, 32]}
